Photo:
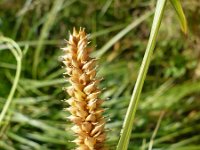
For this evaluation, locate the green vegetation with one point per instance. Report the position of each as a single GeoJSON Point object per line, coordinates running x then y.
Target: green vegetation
{"type": "Point", "coordinates": [31, 33]}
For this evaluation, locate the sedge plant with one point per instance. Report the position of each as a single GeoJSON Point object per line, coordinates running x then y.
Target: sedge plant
{"type": "Point", "coordinates": [130, 115]}
{"type": "Point", "coordinates": [85, 105]}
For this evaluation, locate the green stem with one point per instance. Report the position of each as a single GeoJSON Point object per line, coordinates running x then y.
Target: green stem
{"type": "Point", "coordinates": [128, 122]}
{"type": "Point", "coordinates": [16, 51]}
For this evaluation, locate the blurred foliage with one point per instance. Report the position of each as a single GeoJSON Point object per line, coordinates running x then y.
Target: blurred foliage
{"type": "Point", "coordinates": [36, 120]}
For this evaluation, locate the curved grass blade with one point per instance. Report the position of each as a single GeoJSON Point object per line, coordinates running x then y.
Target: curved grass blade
{"type": "Point", "coordinates": [130, 115]}
{"type": "Point", "coordinates": [16, 51]}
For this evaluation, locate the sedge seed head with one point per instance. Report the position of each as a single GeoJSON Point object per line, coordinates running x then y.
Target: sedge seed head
{"type": "Point", "coordinates": [84, 101]}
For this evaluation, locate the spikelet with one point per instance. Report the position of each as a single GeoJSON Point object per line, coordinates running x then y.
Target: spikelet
{"type": "Point", "coordinates": [85, 104]}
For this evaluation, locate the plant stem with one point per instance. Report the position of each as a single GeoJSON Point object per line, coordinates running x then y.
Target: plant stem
{"type": "Point", "coordinates": [16, 51]}
{"type": "Point", "coordinates": [129, 118]}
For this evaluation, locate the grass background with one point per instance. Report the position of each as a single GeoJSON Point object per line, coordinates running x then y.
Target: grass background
{"type": "Point", "coordinates": [35, 119]}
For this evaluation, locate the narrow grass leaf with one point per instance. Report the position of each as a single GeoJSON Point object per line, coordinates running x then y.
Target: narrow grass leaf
{"type": "Point", "coordinates": [5, 146]}
{"type": "Point", "coordinates": [155, 131]}
{"type": "Point", "coordinates": [122, 33]}
{"type": "Point", "coordinates": [23, 140]}
{"type": "Point", "coordinates": [16, 51]}
{"type": "Point", "coordinates": [45, 32]}
{"type": "Point", "coordinates": [178, 8]}
{"type": "Point", "coordinates": [129, 118]}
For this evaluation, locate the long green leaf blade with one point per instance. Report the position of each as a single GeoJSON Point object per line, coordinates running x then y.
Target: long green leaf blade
{"type": "Point", "coordinates": [178, 8]}
{"type": "Point", "coordinates": [129, 118]}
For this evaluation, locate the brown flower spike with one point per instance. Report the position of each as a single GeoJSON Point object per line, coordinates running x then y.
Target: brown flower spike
{"type": "Point", "coordinates": [85, 104]}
